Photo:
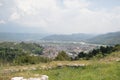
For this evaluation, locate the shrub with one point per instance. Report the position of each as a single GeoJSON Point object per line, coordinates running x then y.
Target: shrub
{"type": "Point", "coordinates": [62, 56]}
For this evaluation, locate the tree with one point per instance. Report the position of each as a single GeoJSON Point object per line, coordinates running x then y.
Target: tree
{"type": "Point", "coordinates": [81, 55]}
{"type": "Point", "coordinates": [62, 56]}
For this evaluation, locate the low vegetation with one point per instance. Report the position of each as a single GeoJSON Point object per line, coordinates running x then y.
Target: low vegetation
{"type": "Point", "coordinates": [97, 53]}
{"type": "Point", "coordinates": [94, 70]}
{"type": "Point", "coordinates": [62, 56]}
{"type": "Point", "coordinates": [21, 53]}
{"type": "Point", "coordinates": [99, 64]}
{"type": "Point", "coordinates": [30, 53]}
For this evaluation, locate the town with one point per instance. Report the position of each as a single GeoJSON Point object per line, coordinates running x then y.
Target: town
{"type": "Point", "coordinates": [52, 48]}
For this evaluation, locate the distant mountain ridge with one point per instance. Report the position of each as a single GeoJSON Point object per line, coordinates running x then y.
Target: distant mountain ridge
{"type": "Point", "coordinates": [109, 38]}
{"type": "Point", "coordinates": [20, 36]}
{"type": "Point", "coordinates": [71, 37]}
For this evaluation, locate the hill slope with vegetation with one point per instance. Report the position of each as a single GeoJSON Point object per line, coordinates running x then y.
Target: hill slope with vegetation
{"type": "Point", "coordinates": [103, 69]}
{"type": "Point", "coordinates": [72, 37]}
{"type": "Point", "coordinates": [21, 53]}
{"type": "Point", "coordinates": [21, 36]}
{"type": "Point", "coordinates": [32, 53]}
{"type": "Point", "coordinates": [98, 64]}
{"type": "Point", "coordinates": [109, 39]}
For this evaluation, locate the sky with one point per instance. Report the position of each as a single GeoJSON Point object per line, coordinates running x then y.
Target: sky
{"type": "Point", "coordinates": [60, 16]}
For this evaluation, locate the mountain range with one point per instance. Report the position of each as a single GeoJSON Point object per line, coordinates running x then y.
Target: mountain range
{"type": "Point", "coordinates": [71, 37]}
{"type": "Point", "coordinates": [20, 36]}
{"type": "Point", "coordinates": [108, 38]}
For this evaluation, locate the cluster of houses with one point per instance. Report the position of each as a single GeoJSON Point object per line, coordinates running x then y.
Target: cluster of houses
{"type": "Point", "coordinates": [52, 49]}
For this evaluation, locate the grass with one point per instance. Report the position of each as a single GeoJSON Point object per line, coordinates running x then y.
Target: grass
{"type": "Point", "coordinates": [105, 69]}
{"type": "Point", "coordinates": [94, 71]}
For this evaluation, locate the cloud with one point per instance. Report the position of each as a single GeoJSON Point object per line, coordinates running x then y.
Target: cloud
{"type": "Point", "coordinates": [14, 16]}
{"type": "Point", "coordinates": [44, 12]}
{"type": "Point", "coordinates": [33, 12]}
{"type": "Point", "coordinates": [2, 22]}
{"type": "Point", "coordinates": [65, 16]}
{"type": "Point", "coordinates": [34, 7]}
{"type": "Point", "coordinates": [75, 4]}
{"type": "Point", "coordinates": [1, 4]}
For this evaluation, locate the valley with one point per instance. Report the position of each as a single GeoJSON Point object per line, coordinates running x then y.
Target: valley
{"type": "Point", "coordinates": [52, 48]}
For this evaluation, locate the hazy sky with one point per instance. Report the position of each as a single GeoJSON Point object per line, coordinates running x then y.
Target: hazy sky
{"type": "Point", "coordinates": [60, 16]}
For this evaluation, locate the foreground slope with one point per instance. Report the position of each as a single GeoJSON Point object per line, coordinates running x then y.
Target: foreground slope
{"type": "Point", "coordinates": [105, 69]}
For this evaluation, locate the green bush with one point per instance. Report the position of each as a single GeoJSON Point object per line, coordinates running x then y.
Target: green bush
{"type": "Point", "coordinates": [62, 56]}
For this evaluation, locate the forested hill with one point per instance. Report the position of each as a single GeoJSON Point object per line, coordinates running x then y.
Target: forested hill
{"type": "Point", "coordinates": [71, 37]}
{"type": "Point", "coordinates": [20, 36]}
{"type": "Point", "coordinates": [21, 53]}
{"type": "Point", "coordinates": [31, 48]}
{"type": "Point", "coordinates": [109, 38]}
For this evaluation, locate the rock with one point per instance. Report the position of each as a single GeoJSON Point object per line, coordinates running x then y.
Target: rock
{"type": "Point", "coordinates": [118, 60]}
{"type": "Point", "coordinates": [43, 77]}
{"type": "Point", "coordinates": [34, 79]}
{"type": "Point", "coordinates": [60, 65]}
{"type": "Point", "coordinates": [17, 78]}
{"type": "Point", "coordinates": [76, 65]}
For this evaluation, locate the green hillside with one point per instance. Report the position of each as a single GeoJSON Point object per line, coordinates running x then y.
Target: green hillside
{"type": "Point", "coordinates": [105, 69]}
{"type": "Point", "coordinates": [71, 37]}
{"type": "Point", "coordinates": [109, 38]}
{"type": "Point", "coordinates": [20, 36]}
